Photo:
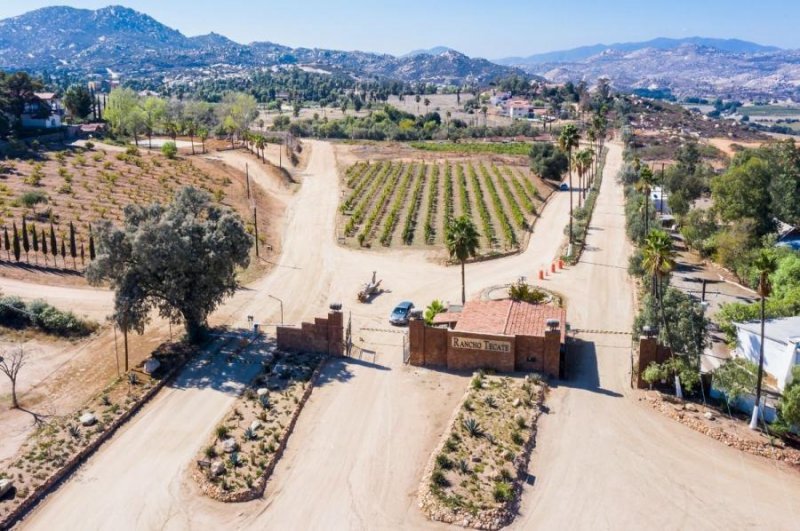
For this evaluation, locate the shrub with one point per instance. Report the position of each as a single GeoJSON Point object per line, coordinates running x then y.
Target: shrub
{"type": "Point", "coordinates": [169, 150]}
{"type": "Point", "coordinates": [132, 151]}
{"type": "Point", "coordinates": [472, 427]}
{"type": "Point", "coordinates": [503, 491]}
{"type": "Point", "coordinates": [210, 451]}
{"type": "Point", "coordinates": [521, 291]}
{"type": "Point", "coordinates": [444, 462]}
{"type": "Point", "coordinates": [490, 401]}
{"type": "Point", "coordinates": [221, 431]}
{"type": "Point", "coordinates": [438, 479]}
{"type": "Point", "coordinates": [235, 460]}
{"type": "Point", "coordinates": [14, 313]}
{"type": "Point", "coordinates": [653, 373]}
{"type": "Point", "coordinates": [249, 434]}
{"type": "Point", "coordinates": [516, 438]}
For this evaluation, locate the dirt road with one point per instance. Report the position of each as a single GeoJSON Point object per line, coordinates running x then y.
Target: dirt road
{"type": "Point", "coordinates": [355, 459]}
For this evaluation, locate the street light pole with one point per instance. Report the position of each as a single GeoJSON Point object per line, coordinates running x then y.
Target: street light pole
{"type": "Point", "coordinates": [280, 301]}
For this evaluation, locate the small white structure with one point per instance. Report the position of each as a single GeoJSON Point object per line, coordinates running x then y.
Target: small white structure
{"type": "Point", "coordinates": [32, 117]}
{"type": "Point", "coordinates": [781, 346]}
{"type": "Point", "coordinates": [520, 110]}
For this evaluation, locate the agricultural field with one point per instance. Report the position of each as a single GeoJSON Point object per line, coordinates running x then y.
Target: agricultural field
{"type": "Point", "coordinates": [80, 187]}
{"type": "Point", "coordinates": [391, 203]}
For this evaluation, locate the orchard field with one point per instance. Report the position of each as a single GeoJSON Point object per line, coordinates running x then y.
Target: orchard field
{"type": "Point", "coordinates": [79, 187]}
{"type": "Point", "coordinates": [407, 203]}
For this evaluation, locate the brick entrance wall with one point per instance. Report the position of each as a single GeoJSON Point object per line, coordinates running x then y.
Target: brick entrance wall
{"type": "Point", "coordinates": [433, 347]}
{"type": "Point", "coordinates": [324, 335]}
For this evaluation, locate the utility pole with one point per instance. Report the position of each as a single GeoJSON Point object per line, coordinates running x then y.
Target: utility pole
{"type": "Point", "coordinates": [255, 225]}
{"type": "Point", "coordinates": [247, 178]}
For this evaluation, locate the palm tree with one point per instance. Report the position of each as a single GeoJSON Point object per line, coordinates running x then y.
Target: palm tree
{"type": "Point", "coordinates": [462, 240]}
{"type": "Point", "coordinates": [434, 308]}
{"type": "Point", "coordinates": [644, 186]}
{"type": "Point", "coordinates": [765, 264]}
{"type": "Point", "coordinates": [582, 162]}
{"type": "Point", "coordinates": [658, 260]}
{"type": "Point", "coordinates": [567, 141]}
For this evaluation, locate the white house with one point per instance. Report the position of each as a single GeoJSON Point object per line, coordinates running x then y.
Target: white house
{"type": "Point", "coordinates": [519, 110]}
{"type": "Point", "coordinates": [781, 346]}
{"type": "Point", "coordinates": [32, 117]}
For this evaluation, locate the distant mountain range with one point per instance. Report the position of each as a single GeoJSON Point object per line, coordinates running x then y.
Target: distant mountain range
{"type": "Point", "coordinates": [136, 45]}
{"type": "Point", "coordinates": [585, 52]}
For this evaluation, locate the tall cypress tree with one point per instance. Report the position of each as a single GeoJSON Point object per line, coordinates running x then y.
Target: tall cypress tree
{"type": "Point", "coordinates": [73, 249]}
{"type": "Point", "coordinates": [63, 253]}
{"type": "Point", "coordinates": [83, 256]}
{"type": "Point", "coordinates": [91, 245]}
{"type": "Point", "coordinates": [26, 244]}
{"type": "Point", "coordinates": [16, 242]}
{"type": "Point", "coordinates": [35, 241]}
{"type": "Point", "coordinates": [44, 246]}
{"type": "Point", "coordinates": [53, 244]}
{"type": "Point", "coordinates": [7, 243]}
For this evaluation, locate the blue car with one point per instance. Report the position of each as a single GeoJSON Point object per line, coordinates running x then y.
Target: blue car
{"type": "Point", "coordinates": [401, 313]}
{"type": "Point", "coordinates": [564, 187]}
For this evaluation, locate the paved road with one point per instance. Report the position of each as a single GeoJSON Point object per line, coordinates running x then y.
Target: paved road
{"type": "Point", "coordinates": [355, 460]}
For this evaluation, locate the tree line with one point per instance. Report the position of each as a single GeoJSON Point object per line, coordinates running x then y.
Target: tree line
{"type": "Point", "coordinates": [26, 240]}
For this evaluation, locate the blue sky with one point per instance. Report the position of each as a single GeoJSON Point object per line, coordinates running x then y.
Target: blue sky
{"type": "Point", "coordinates": [478, 28]}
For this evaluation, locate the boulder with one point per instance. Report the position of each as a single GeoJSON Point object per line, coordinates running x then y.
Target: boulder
{"type": "Point", "coordinates": [5, 486]}
{"type": "Point", "coordinates": [229, 445]}
{"type": "Point", "coordinates": [217, 468]}
{"type": "Point", "coordinates": [151, 365]}
{"type": "Point", "coordinates": [262, 391]}
{"type": "Point", "coordinates": [255, 425]}
{"type": "Point", "coordinates": [708, 415]}
{"type": "Point", "coordinates": [87, 419]}
{"type": "Point", "coordinates": [515, 403]}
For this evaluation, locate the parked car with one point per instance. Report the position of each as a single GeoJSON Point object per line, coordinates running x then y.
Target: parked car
{"type": "Point", "coordinates": [564, 187]}
{"type": "Point", "coordinates": [401, 313]}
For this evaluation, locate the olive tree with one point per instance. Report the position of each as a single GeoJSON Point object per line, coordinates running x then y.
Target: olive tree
{"type": "Point", "coordinates": [179, 259]}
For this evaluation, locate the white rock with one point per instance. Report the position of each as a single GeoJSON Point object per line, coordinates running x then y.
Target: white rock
{"type": "Point", "coordinates": [151, 365]}
{"type": "Point", "coordinates": [5, 486]}
{"type": "Point", "coordinates": [217, 468]}
{"type": "Point", "coordinates": [262, 391]}
{"type": "Point", "coordinates": [515, 403]}
{"type": "Point", "coordinates": [708, 415]}
{"type": "Point", "coordinates": [87, 419]}
{"type": "Point", "coordinates": [255, 425]}
{"type": "Point", "coordinates": [229, 445]}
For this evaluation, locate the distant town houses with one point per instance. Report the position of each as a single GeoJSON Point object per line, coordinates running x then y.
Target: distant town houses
{"type": "Point", "coordinates": [45, 112]}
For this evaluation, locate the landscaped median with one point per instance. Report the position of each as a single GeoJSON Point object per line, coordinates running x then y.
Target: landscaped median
{"type": "Point", "coordinates": [243, 450]}
{"type": "Point", "coordinates": [60, 445]}
{"type": "Point", "coordinates": [476, 474]}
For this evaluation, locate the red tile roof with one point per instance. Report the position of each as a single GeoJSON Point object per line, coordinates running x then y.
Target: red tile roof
{"type": "Point", "coordinates": [509, 318]}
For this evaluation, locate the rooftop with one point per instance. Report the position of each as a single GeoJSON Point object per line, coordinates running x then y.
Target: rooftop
{"type": "Point", "coordinates": [509, 318]}
{"type": "Point", "coordinates": [785, 330]}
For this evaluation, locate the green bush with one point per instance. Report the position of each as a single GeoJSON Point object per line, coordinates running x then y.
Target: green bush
{"type": "Point", "coordinates": [169, 150]}
{"type": "Point", "coordinates": [521, 291]}
{"type": "Point", "coordinates": [503, 491]}
{"type": "Point", "coordinates": [14, 313]}
{"type": "Point", "coordinates": [653, 373]}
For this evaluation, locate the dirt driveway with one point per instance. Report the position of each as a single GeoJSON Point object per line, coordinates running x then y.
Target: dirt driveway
{"type": "Point", "coordinates": [355, 460]}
